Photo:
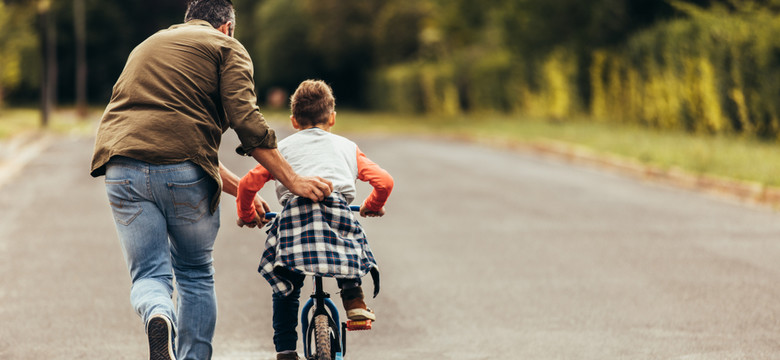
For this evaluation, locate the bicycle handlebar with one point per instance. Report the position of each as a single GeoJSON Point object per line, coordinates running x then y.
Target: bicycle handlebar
{"type": "Point", "coordinates": [271, 215]}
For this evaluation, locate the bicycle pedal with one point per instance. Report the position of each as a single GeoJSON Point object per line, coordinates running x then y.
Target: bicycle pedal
{"type": "Point", "coordinates": [353, 325]}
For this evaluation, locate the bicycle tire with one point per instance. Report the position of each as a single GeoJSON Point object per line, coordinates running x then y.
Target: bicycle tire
{"type": "Point", "coordinates": [322, 337]}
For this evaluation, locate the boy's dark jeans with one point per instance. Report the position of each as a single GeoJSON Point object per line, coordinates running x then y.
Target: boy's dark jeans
{"type": "Point", "coordinates": [285, 308]}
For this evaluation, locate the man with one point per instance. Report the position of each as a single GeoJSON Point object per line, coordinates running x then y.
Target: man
{"type": "Point", "coordinates": [157, 147]}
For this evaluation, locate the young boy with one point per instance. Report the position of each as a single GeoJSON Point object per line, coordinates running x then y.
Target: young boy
{"type": "Point", "coordinates": [321, 238]}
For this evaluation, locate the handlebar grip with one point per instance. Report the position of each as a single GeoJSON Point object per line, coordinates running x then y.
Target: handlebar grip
{"type": "Point", "coordinates": [271, 215]}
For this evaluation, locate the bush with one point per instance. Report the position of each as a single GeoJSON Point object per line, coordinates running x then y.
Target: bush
{"type": "Point", "coordinates": [490, 82]}
{"type": "Point", "coordinates": [488, 85]}
{"type": "Point", "coordinates": [397, 88]}
{"type": "Point", "coordinates": [712, 73]}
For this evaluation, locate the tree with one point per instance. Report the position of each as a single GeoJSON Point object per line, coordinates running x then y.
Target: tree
{"type": "Point", "coordinates": [282, 55]}
{"type": "Point", "coordinates": [49, 51]}
{"type": "Point", "coordinates": [17, 37]}
{"type": "Point", "coordinates": [341, 36]}
{"type": "Point", "coordinates": [396, 32]}
{"type": "Point", "coordinates": [80, 30]}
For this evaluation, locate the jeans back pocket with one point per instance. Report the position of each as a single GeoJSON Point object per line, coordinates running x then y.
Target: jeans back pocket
{"type": "Point", "coordinates": [124, 205]}
{"type": "Point", "coordinates": [191, 200]}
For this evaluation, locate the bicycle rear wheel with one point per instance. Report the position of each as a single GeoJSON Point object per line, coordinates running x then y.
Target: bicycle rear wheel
{"type": "Point", "coordinates": [322, 337]}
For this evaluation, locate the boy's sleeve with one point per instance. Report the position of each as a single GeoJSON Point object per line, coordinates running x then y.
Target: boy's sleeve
{"type": "Point", "coordinates": [249, 185]}
{"type": "Point", "coordinates": [379, 179]}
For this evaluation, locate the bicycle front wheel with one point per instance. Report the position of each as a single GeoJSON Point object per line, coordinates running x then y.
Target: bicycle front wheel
{"type": "Point", "coordinates": [322, 337]}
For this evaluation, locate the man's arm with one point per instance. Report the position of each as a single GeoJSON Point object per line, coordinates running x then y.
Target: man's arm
{"type": "Point", "coordinates": [229, 180]}
{"type": "Point", "coordinates": [230, 186]}
{"type": "Point", "coordinates": [257, 139]}
{"type": "Point", "coordinates": [314, 188]}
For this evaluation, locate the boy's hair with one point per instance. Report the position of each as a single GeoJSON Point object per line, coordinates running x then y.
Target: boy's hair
{"type": "Point", "coordinates": [215, 12]}
{"type": "Point", "coordinates": [312, 103]}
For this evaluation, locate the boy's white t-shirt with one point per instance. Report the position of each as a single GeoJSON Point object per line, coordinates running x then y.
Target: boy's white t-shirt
{"type": "Point", "coordinates": [316, 152]}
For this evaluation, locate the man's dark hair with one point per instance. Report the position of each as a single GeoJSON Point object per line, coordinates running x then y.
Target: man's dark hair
{"type": "Point", "coordinates": [215, 12]}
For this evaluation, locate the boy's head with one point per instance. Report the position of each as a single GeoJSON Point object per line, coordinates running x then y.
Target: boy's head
{"type": "Point", "coordinates": [312, 103]}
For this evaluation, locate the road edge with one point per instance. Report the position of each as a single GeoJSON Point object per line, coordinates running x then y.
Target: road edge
{"type": "Point", "coordinates": [17, 151]}
{"type": "Point", "coordinates": [746, 192]}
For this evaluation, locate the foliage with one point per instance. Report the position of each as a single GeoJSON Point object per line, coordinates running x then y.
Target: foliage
{"type": "Point", "coordinates": [284, 25]}
{"type": "Point", "coordinates": [714, 73]}
{"type": "Point", "coordinates": [17, 43]}
{"type": "Point", "coordinates": [706, 66]}
{"type": "Point", "coordinates": [706, 70]}
{"type": "Point", "coordinates": [114, 28]}
{"type": "Point", "coordinates": [719, 156]}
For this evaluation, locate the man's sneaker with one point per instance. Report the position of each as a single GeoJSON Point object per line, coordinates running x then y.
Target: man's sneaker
{"type": "Point", "coordinates": [355, 306]}
{"type": "Point", "coordinates": [287, 356]}
{"type": "Point", "coordinates": [160, 333]}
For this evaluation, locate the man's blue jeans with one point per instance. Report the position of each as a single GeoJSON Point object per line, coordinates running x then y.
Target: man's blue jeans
{"type": "Point", "coordinates": [165, 227]}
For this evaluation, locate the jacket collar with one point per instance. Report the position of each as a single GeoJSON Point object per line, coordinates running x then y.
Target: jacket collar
{"type": "Point", "coordinates": [196, 22]}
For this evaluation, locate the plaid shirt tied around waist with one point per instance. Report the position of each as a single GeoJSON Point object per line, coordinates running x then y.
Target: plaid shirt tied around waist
{"type": "Point", "coordinates": [316, 238]}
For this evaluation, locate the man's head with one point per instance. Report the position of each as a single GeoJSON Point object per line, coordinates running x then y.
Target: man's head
{"type": "Point", "coordinates": [218, 13]}
{"type": "Point", "coordinates": [313, 104]}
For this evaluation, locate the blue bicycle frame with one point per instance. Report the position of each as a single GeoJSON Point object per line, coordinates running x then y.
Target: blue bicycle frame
{"type": "Point", "coordinates": [321, 304]}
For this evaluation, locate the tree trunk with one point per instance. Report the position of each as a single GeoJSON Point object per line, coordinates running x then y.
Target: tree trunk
{"type": "Point", "coordinates": [80, 24]}
{"type": "Point", "coordinates": [44, 6]}
{"type": "Point", "coordinates": [51, 58]}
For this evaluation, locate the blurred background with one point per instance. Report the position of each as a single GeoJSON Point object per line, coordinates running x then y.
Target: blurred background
{"type": "Point", "coordinates": [551, 261]}
{"type": "Point", "coordinates": [702, 66]}
{"type": "Point", "coordinates": [671, 78]}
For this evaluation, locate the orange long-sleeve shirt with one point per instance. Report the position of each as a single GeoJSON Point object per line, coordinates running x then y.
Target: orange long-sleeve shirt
{"type": "Point", "coordinates": [367, 171]}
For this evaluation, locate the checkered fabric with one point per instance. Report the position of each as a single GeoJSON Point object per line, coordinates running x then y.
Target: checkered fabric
{"type": "Point", "coordinates": [309, 238]}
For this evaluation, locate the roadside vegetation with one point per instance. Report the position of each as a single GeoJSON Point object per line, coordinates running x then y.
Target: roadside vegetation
{"type": "Point", "coordinates": [17, 121]}
{"type": "Point", "coordinates": [674, 84]}
{"type": "Point", "coordinates": [728, 156]}
{"type": "Point", "coordinates": [733, 157]}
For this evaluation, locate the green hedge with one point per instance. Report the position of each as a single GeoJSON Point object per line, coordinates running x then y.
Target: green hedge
{"type": "Point", "coordinates": [713, 74]}
{"type": "Point", "coordinates": [710, 73]}
{"type": "Point", "coordinates": [417, 87]}
{"type": "Point", "coordinates": [486, 84]}
{"type": "Point", "coordinates": [397, 88]}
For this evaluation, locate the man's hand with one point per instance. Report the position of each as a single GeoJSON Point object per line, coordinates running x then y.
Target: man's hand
{"type": "Point", "coordinates": [314, 188]}
{"type": "Point", "coordinates": [364, 212]}
{"type": "Point", "coordinates": [242, 223]}
{"type": "Point", "coordinates": [261, 207]}
{"type": "Point", "coordinates": [311, 187]}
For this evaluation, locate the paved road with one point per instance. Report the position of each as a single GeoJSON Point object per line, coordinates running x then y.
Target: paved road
{"type": "Point", "coordinates": [485, 254]}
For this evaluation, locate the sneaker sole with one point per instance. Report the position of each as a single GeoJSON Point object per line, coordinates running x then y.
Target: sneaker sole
{"type": "Point", "coordinates": [159, 333]}
{"type": "Point", "coordinates": [360, 314]}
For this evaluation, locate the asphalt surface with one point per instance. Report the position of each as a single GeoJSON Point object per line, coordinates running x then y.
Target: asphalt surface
{"type": "Point", "coordinates": [484, 254]}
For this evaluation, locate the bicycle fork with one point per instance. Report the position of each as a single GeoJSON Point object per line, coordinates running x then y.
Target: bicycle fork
{"type": "Point", "coordinates": [322, 304]}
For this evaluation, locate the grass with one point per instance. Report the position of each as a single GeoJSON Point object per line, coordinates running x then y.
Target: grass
{"type": "Point", "coordinates": [723, 156]}
{"type": "Point", "coordinates": [16, 121]}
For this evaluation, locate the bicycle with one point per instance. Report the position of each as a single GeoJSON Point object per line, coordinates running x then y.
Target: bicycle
{"type": "Point", "coordinates": [323, 338]}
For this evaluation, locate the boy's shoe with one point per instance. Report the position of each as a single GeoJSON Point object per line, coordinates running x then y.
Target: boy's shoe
{"type": "Point", "coordinates": [160, 333]}
{"type": "Point", "coordinates": [287, 356]}
{"type": "Point", "coordinates": [355, 306]}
